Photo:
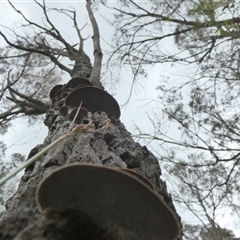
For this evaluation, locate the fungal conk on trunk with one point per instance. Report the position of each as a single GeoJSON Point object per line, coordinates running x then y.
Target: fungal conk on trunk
{"type": "Point", "coordinates": [111, 198]}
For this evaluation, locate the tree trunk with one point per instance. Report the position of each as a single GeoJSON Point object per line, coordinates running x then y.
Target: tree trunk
{"type": "Point", "coordinates": [115, 148]}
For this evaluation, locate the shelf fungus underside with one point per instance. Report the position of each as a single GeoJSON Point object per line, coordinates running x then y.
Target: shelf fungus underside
{"type": "Point", "coordinates": [93, 99]}
{"type": "Point", "coordinates": [109, 194]}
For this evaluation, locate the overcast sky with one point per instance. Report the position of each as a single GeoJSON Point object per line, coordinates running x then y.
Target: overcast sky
{"type": "Point", "coordinates": [22, 137]}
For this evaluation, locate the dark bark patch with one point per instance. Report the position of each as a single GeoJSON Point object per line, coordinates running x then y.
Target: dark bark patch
{"type": "Point", "coordinates": [72, 225]}
{"type": "Point", "coordinates": [33, 152]}
{"type": "Point", "coordinates": [52, 162]}
{"type": "Point", "coordinates": [130, 160]}
{"type": "Point", "coordinates": [109, 138]}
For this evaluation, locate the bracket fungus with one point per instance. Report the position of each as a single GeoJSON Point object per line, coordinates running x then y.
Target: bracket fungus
{"type": "Point", "coordinates": [93, 99]}
{"type": "Point", "coordinates": [54, 90]}
{"type": "Point", "coordinates": [108, 195]}
{"type": "Point", "coordinates": [63, 110]}
{"type": "Point", "coordinates": [59, 93]}
{"type": "Point", "coordinates": [140, 177]}
{"type": "Point", "coordinates": [81, 114]}
{"type": "Point", "coordinates": [54, 100]}
{"type": "Point", "coordinates": [74, 82]}
{"type": "Point", "coordinates": [80, 86]}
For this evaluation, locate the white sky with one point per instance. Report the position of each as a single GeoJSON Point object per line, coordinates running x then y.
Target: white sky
{"type": "Point", "coordinates": [22, 137]}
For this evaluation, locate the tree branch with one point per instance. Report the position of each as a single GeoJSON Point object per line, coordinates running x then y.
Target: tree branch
{"type": "Point", "coordinates": [97, 65]}
{"type": "Point", "coordinates": [35, 50]}
{"type": "Point", "coordinates": [38, 103]}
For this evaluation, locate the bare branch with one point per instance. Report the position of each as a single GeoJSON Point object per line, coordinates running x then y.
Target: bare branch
{"type": "Point", "coordinates": [39, 104]}
{"type": "Point", "coordinates": [96, 72]}
{"type": "Point", "coordinates": [35, 50]}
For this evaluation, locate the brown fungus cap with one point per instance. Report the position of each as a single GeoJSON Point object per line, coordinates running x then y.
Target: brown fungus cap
{"type": "Point", "coordinates": [59, 93]}
{"type": "Point", "coordinates": [74, 82]}
{"type": "Point", "coordinates": [81, 114]}
{"type": "Point", "coordinates": [93, 99]}
{"type": "Point", "coordinates": [54, 100]}
{"type": "Point", "coordinates": [63, 110]}
{"type": "Point", "coordinates": [54, 90]}
{"type": "Point", "coordinates": [138, 176]}
{"type": "Point", "coordinates": [108, 195]}
{"type": "Point", "coordinates": [80, 86]}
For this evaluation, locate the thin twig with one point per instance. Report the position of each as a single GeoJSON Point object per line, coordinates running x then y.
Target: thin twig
{"type": "Point", "coordinates": [74, 119]}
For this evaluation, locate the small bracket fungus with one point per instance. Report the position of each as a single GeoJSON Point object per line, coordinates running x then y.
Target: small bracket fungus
{"type": "Point", "coordinates": [54, 90]}
{"type": "Point", "coordinates": [63, 110]}
{"type": "Point", "coordinates": [81, 114]}
{"type": "Point", "coordinates": [80, 86]}
{"type": "Point", "coordinates": [54, 100]}
{"type": "Point", "coordinates": [93, 99]}
{"type": "Point", "coordinates": [108, 195]}
{"type": "Point", "coordinates": [59, 93]}
{"type": "Point", "coordinates": [74, 82]}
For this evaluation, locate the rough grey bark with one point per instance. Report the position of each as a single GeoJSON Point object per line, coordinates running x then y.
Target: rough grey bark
{"type": "Point", "coordinates": [82, 66]}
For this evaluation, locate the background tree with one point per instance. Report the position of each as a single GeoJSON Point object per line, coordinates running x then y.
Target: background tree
{"type": "Point", "coordinates": [5, 167]}
{"type": "Point", "coordinates": [206, 232]}
{"type": "Point", "coordinates": [202, 106]}
{"type": "Point", "coordinates": [115, 147]}
{"type": "Point", "coordinates": [23, 91]}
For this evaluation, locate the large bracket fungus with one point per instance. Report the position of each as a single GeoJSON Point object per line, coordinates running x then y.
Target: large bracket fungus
{"type": "Point", "coordinates": [109, 195]}
{"type": "Point", "coordinates": [140, 177]}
